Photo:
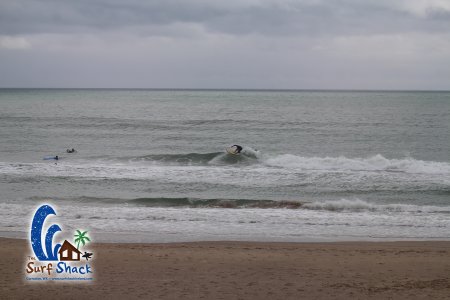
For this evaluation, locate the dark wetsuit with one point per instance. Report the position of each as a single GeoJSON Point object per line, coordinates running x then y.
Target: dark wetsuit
{"type": "Point", "coordinates": [238, 148]}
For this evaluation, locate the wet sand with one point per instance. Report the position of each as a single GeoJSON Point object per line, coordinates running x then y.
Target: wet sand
{"type": "Point", "coordinates": [245, 270]}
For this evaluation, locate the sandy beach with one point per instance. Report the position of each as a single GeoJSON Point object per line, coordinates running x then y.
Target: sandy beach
{"type": "Point", "coordinates": [246, 270]}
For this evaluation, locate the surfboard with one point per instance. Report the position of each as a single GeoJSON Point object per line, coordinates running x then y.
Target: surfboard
{"type": "Point", "coordinates": [49, 157]}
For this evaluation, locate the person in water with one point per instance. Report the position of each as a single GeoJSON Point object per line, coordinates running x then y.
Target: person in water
{"type": "Point", "coordinates": [237, 148]}
{"type": "Point", "coordinates": [70, 151]}
{"type": "Point", "coordinates": [56, 157]}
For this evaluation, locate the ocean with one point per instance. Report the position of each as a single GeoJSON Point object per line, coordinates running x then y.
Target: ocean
{"type": "Point", "coordinates": [151, 165]}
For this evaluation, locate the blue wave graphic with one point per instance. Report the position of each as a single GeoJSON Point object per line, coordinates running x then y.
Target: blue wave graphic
{"type": "Point", "coordinates": [36, 233]}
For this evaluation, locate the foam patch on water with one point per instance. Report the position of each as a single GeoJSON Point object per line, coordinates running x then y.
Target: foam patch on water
{"type": "Point", "coordinates": [170, 224]}
{"type": "Point", "coordinates": [302, 174]}
{"type": "Point", "coordinates": [373, 163]}
{"type": "Point", "coordinates": [360, 205]}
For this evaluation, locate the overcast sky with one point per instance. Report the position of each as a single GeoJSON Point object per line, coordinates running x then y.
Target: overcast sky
{"type": "Point", "coordinates": [271, 44]}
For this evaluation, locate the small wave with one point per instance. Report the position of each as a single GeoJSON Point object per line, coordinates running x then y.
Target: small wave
{"type": "Point", "coordinates": [182, 202]}
{"type": "Point", "coordinates": [360, 205]}
{"type": "Point", "coordinates": [342, 205]}
{"type": "Point", "coordinates": [185, 159]}
{"type": "Point", "coordinates": [290, 161]}
{"type": "Point", "coordinates": [213, 158]}
{"type": "Point", "coordinates": [215, 203]}
{"type": "Point", "coordinates": [374, 163]}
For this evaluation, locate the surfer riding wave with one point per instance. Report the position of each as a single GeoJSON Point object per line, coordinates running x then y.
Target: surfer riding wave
{"type": "Point", "coordinates": [235, 149]}
{"type": "Point", "coordinates": [247, 151]}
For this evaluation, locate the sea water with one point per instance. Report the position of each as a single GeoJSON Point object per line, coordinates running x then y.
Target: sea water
{"type": "Point", "coordinates": [151, 164]}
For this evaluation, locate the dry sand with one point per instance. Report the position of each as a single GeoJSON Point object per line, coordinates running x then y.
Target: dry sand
{"type": "Point", "coordinates": [245, 270]}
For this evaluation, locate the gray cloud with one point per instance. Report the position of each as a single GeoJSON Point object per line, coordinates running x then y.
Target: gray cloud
{"type": "Point", "coordinates": [370, 44]}
{"type": "Point", "coordinates": [233, 17]}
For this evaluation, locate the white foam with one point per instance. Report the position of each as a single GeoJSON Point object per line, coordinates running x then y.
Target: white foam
{"type": "Point", "coordinates": [250, 152]}
{"type": "Point", "coordinates": [373, 163]}
{"type": "Point", "coordinates": [332, 173]}
{"type": "Point", "coordinates": [360, 205]}
{"type": "Point", "coordinates": [157, 224]}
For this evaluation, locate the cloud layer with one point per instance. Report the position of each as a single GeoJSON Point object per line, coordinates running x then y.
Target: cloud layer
{"type": "Point", "coordinates": [399, 44]}
{"type": "Point", "coordinates": [270, 17]}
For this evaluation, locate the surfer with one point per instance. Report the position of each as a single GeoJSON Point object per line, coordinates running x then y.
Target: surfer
{"type": "Point", "coordinates": [236, 149]}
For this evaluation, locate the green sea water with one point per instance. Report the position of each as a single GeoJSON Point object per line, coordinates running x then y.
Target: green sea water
{"type": "Point", "coordinates": [316, 164]}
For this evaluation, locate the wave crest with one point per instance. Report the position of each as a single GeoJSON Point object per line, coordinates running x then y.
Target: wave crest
{"type": "Point", "coordinates": [360, 205]}
{"type": "Point", "coordinates": [374, 163]}
{"type": "Point", "coordinates": [215, 203]}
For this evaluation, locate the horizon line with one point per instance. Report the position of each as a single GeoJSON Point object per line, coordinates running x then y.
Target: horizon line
{"type": "Point", "coordinates": [228, 89]}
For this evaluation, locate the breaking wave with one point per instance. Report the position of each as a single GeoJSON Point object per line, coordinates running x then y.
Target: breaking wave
{"type": "Point", "coordinates": [360, 205]}
{"type": "Point", "coordinates": [373, 163]}
{"type": "Point", "coordinates": [262, 169]}
{"type": "Point", "coordinates": [342, 205]}
{"type": "Point", "coordinates": [301, 163]}
{"type": "Point", "coordinates": [215, 203]}
{"type": "Point", "coordinates": [184, 202]}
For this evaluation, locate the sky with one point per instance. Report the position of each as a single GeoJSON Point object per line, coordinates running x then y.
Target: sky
{"type": "Point", "coordinates": [233, 44]}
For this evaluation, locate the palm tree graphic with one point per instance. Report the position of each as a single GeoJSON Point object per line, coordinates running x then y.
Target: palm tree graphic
{"type": "Point", "coordinates": [81, 238]}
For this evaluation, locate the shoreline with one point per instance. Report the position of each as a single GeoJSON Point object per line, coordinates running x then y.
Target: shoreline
{"type": "Point", "coordinates": [247, 270]}
{"type": "Point", "coordinates": [142, 238]}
